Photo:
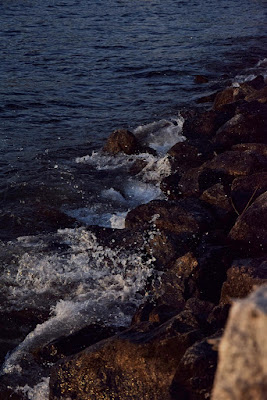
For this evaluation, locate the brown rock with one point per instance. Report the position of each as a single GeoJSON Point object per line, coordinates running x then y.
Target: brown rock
{"type": "Point", "coordinates": [123, 141]}
{"type": "Point", "coordinates": [169, 186]}
{"type": "Point", "coordinates": [204, 124]}
{"type": "Point", "coordinates": [218, 198]}
{"type": "Point", "coordinates": [249, 231]}
{"type": "Point", "coordinates": [233, 163]}
{"type": "Point", "coordinates": [137, 364]}
{"type": "Point", "coordinates": [247, 189]}
{"type": "Point", "coordinates": [242, 369]}
{"type": "Point", "coordinates": [242, 277]}
{"type": "Point", "coordinates": [201, 79]}
{"type": "Point", "coordinates": [188, 185]}
{"type": "Point", "coordinates": [186, 216]}
{"type": "Point", "coordinates": [183, 156]}
{"type": "Point", "coordinates": [258, 95]}
{"type": "Point", "coordinates": [207, 99]}
{"type": "Point", "coordinates": [228, 95]}
{"type": "Point", "coordinates": [247, 126]}
{"type": "Point", "coordinates": [259, 150]}
{"type": "Point", "coordinates": [194, 377]}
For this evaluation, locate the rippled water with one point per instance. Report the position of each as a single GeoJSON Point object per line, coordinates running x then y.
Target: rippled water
{"type": "Point", "coordinates": [70, 73]}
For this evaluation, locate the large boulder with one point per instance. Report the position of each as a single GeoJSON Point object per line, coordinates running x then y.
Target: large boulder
{"type": "Point", "coordinates": [184, 156]}
{"type": "Point", "coordinates": [137, 364]}
{"type": "Point", "coordinates": [242, 277]}
{"type": "Point", "coordinates": [246, 189]}
{"type": "Point", "coordinates": [247, 126]}
{"type": "Point", "coordinates": [249, 231]}
{"type": "Point", "coordinates": [187, 216]}
{"type": "Point", "coordinates": [242, 369]}
{"type": "Point", "coordinates": [122, 141]}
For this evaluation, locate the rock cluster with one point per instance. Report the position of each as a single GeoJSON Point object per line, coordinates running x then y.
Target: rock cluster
{"type": "Point", "coordinates": [209, 246]}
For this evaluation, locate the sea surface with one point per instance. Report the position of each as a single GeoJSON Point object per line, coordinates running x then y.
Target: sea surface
{"type": "Point", "coordinates": [70, 73]}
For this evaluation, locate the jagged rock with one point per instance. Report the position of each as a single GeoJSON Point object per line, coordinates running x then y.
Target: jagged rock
{"type": "Point", "coordinates": [188, 185]}
{"type": "Point", "coordinates": [169, 186]}
{"type": "Point", "coordinates": [183, 156]}
{"type": "Point", "coordinates": [185, 216]}
{"type": "Point", "coordinates": [220, 201]}
{"type": "Point", "coordinates": [194, 377]}
{"type": "Point", "coordinates": [137, 364]}
{"type": "Point", "coordinates": [205, 124]}
{"type": "Point", "coordinates": [242, 277]}
{"type": "Point", "coordinates": [248, 125]}
{"type": "Point", "coordinates": [242, 369]}
{"type": "Point", "coordinates": [259, 150]}
{"type": "Point", "coordinates": [207, 99]}
{"type": "Point", "coordinates": [218, 317]}
{"type": "Point", "coordinates": [228, 95]}
{"type": "Point", "coordinates": [123, 141]}
{"type": "Point", "coordinates": [201, 79]}
{"type": "Point", "coordinates": [258, 95]}
{"type": "Point", "coordinates": [249, 231]}
{"type": "Point", "coordinates": [74, 343]}
{"type": "Point", "coordinates": [247, 189]}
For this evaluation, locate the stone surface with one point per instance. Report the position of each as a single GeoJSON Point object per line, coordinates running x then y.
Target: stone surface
{"type": "Point", "coordinates": [242, 277]}
{"type": "Point", "coordinates": [249, 231]}
{"type": "Point", "coordinates": [242, 369]}
{"type": "Point", "coordinates": [123, 141]}
{"type": "Point", "coordinates": [138, 364]}
{"type": "Point", "coordinates": [183, 156]}
{"type": "Point", "coordinates": [247, 126]}
{"type": "Point", "coordinates": [186, 216]}
{"type": "Point", "coordinates": [194, 377]}
{"type": "Point", "coordinates": [220, 202]}
{"type": "Point", "coordinates": [247, 189]}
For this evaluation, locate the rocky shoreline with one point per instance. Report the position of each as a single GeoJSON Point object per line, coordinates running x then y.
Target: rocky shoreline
{"type": "Point", "coordinates": [208, 243]}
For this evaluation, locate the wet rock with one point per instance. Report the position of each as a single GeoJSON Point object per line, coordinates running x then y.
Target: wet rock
{"type": "Point", "coordinates": [74, 343]}
{"type": "Point", "coordinates": [259, 150]}
{"type": "Point", "coordinates": [188, 185]}
{"type": "Point", "coordinates": [220, 202]}
{"type": "Point", "coordinates": [136, 364]}
{"type": "Point", "coordinates": [218, 317]}
{"type": "Point", "coordinates": [242, 277]}
{"type": "Point", "coordinates": [207, 99]}
{"type": "Point", "coordinates": [204, 124]}
{"type": "Point", "coordinates": [256, 83]}
{"type": "Point", "coordinates": [156, 313]}
{"type": "Point", "coordinates": [247, 189]}
{"type": "Point", "coordinates": [248, 125]}
{"type": "Point", "coordinates": [169, 186]}
{"type": "Point", "coordinates": [194, 377]}
{"type": "Point", "coordinates": [242, 369]}
{"type": "Point", "coordinates": [137, 166]}
{"type": "Point", "coordinates": [201, 79]}
{"type": "Point", "coordinates": [232, 163]}
{"type": "Point", "coordinates": [183, 156]}
{"type": "Point", "coordinates": [249, 231]}
{"type": "Point", "coordinates": [187, 216]}
{"type": "Point", "coordinates": [228, 95]}
{"type": "Point", "coordinates": [123, 141]}
{"type": "Point", "coordinates": [258, 95]}
{"type": "Point", "coordinates": [15, 326]}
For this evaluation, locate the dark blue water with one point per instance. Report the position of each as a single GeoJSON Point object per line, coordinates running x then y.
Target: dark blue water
{"type": "Point", "coordinates": [72, 71]}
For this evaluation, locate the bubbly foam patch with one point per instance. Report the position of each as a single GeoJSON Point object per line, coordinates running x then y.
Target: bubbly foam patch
{"type": "Point", "coordinates": [38, 392]}
{"type": "Point", "coordinates": [161, 135]}
{"type": "Point", "coordinates": [87, 281]}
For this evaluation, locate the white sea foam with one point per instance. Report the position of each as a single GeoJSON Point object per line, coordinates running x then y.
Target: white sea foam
{"type": "Point", "coordinates": [91, 283]}
{"type": "Point", "coordinates": [38, 392]}
{"type": "Point", "coordinates": [161, 135]}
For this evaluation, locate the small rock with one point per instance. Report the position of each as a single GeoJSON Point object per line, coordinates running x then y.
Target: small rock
{"type": "Point", "coordinates": [122, 141]}
{"type": "Point", "coordinates": [201, 79]}
{"type": "Point", "coordinates": [242, 277]}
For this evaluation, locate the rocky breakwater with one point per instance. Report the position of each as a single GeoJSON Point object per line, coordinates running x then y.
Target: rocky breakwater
{"type": "Point", "coordinates": [208, 243]}
{"type": "Point", "coordinates": [207, 240]}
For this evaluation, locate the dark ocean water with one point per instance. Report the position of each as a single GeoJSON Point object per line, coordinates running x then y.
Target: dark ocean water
{"type": "Point", "coordinates": [70, 73]}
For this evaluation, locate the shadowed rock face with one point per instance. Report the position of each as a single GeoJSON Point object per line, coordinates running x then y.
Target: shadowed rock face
{"type": "Point", "coordinates": [122, 141]}
{"type": "Point", "coordinates": [138, 364]}
{"type": "Point", "coordinates": [242, 277]}
{"type": "Point", "coordinates": [249, 231]}
{"type": "Point", "coordinates": [242, 369]}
